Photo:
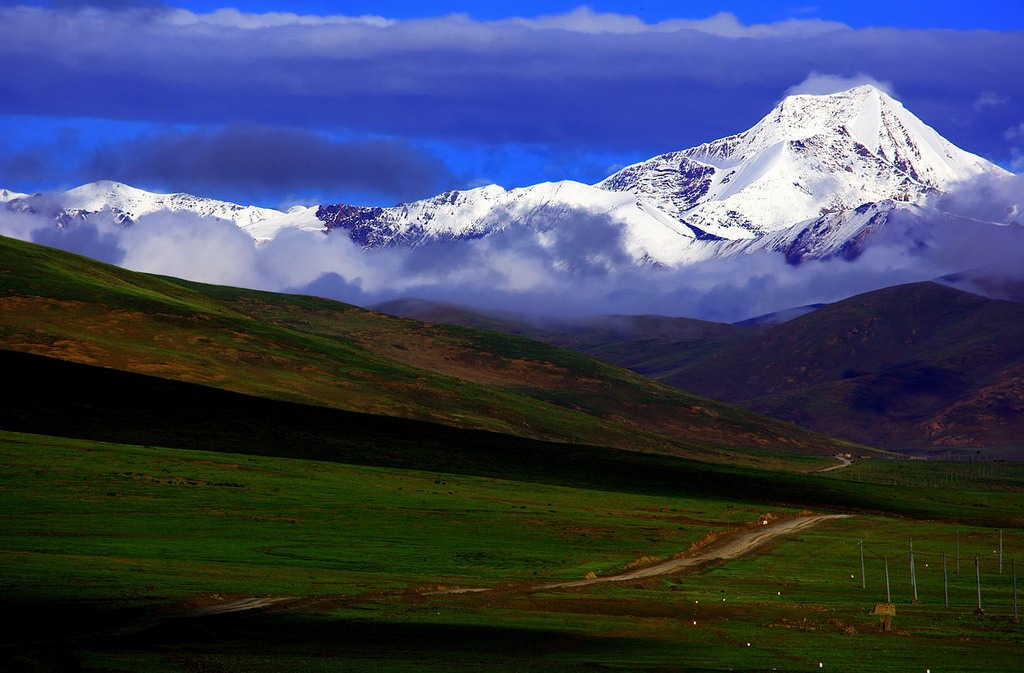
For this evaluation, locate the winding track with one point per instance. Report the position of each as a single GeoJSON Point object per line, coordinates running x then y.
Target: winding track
{"type": "Point", "coordinates": [726, 549]}
{"type": "Point", "coordinates": [843, 462]}
{"type": "Point", "coordinates": [239, 605]}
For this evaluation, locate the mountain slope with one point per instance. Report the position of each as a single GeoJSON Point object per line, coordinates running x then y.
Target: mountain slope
{"type": "Point", "coordinates": [651, 345]}
{"type": "Point", "coordinates": [922, 366]}
{"type": "Point", "coordinates": [96, 400]}
{"type": "Point", "coordinates": [918, 365]}
{"type": "Point", "coordinates": [320, 352]}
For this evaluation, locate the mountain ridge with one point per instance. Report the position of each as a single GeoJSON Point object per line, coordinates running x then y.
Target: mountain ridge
{"type": "Point", "coordinates": [815, 177]}
{"type": "Point", "coordinates": [315, 351]}
{"type": "Point", "coordinates": [127, 204]}
{"type": "Point", "coordinates": [922, 366]}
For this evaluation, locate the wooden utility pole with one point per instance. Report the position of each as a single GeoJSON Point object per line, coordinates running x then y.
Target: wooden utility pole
{"type": "Point", "coordinates": [957, 551]}
{"type": "Point", "coordinates": [888, 596]}
{"type": "Point", "coordinates": [945, 580]}
{"type": "Point", "coordinates": [863, 582]}
{"type": "Point", "coordinates": [1013, 570]}
{"type": "Point", "coordinates": [913, 574]}
{"type": "Point", "coordinates": [1000, 551]}
{"type": "Point", "coordinates": [977, 580]}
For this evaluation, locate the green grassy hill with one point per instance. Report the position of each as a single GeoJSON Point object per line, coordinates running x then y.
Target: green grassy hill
{"type": "Point", "coordinates": [323, 353]}
{"type": "Point", "coordinates": [652, 345]}
{"type": "Point", "coordinates": [109, 551]}
{"type": "Point", "coordinates": [912, 366]}
{"type": "Point", "coordinates": [183, 448]}
{"type": "Point", "coordinates": [920, 366]}
{"type": "Point", "coordinates": [100, 404]}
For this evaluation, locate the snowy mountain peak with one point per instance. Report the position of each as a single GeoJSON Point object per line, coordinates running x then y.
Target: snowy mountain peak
{"type": "Point", "coordinates": [862, 111]}
{"type": "Point", "coordinates": [108, 194]}
{"type": "Point", "coordinates": [815, 176]}
{"type": "Point", "coordinates": [129, 203]}
{"type": "Point", "coordinates": [859, 110]}
{"type": "Point", "coordinates": [810, 156]}
{"type": "Point", "coordinates": [8, 195]}
{"type": "Point", "coordinates": [866, 116]}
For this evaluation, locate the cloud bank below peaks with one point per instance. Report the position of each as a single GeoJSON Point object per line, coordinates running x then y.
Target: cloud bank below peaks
{"type": "Point", "coordinates": [579, 267]}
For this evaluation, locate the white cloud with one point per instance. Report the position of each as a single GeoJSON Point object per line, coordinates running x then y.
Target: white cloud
{"type": "Point", "coordinates": [1015, 132]}
{"type": "Point", "coordinates": [724, 24]}
{"type": "Point", "coordinates": [583, 20]}
{"type": "Point", "coordinates": [205, 250]}
{"type": "Point", "coordinates": [1016, 160]}
{"type": "Point", "coordinates": [989, 99]}
{"type": "Point", "coordinates": [233, 18]}
{"type": "Point", "coordinates": [578, 267]}
{"type": "Point", "coordinates": [820, 84]}
{"type": "Point", "coordinates": [583, 79]}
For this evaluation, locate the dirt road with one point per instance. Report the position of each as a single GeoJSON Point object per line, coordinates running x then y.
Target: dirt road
{"type": "Point", "coordinates": [240, 605]}
{"type": "Point", "coordinates": [843, 462]}
{"type": "Point", "coordinates": [728, 548]}
{"type": "Point", "coordinates": [227, 607]}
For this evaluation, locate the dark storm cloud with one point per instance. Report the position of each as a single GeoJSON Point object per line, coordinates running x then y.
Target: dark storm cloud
{"type": "Point", "coordinates": [36, 163]}
{"type": "Point", "coordinates": [581, 79]}
{"type": "Point", "coordinates": [28, 165]}
{"type": "Point", "coordinates": [257, 158]}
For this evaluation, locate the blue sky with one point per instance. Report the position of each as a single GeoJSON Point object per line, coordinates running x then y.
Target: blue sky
{"type": "Point", "coordinates": [952, 14]}
{"type": "Point", "coordinates": [271, 109]}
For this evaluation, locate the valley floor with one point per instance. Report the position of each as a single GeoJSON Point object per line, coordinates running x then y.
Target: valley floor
{"type": "Point", "coordinates": [128, 558]}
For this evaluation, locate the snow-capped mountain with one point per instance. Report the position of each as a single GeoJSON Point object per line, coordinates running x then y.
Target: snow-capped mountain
{"type": "Point", "coordinates": [298, 218]}
{"type": "Point", "coordinates": [841, 233]}
{"type": "Point", "coordinates": [810, 156]}
{"type": "Point", "coordinates": [488, 210]}
{"type": "Point", "coordinates": [127, 204]}
{"type": "Point", "coordinates": [8, 195]}
{"type": "Point", "coordinates": [815, 177]}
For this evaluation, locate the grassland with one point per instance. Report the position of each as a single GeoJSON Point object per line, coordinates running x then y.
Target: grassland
{"type": "Point", "coordinates": [94, 403]}
{"type": "Point", "coordinates": [323, 353]}
{"type": "Point", "coordinates": [248, 524]}
{"type": "Point", "coordinates": [99, 536]}
{"type": "Point", "coordinates": [920, 366]}
{"type": "Point", "coordinates": [173, 448]}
